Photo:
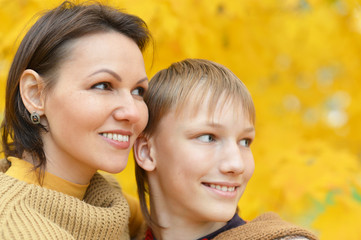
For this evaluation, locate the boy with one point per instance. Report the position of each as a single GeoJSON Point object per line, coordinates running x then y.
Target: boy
{"type": "Point", "coordinates": [194, 157]}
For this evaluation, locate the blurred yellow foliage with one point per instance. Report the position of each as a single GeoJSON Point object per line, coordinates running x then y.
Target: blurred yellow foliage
{"type": "Point", "coordinates": [301, 62]}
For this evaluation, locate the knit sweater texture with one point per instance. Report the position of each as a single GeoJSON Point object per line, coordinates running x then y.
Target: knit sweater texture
{"type": "Point", "coordinates": [268, 226]}
{"type": "Point", "coordinates": [29, 211]}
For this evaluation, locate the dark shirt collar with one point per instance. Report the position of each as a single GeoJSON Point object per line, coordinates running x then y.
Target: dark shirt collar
{"type": "Point", "coordinates": [234, 222]}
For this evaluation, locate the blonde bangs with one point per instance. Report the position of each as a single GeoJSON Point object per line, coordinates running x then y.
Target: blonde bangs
{"type": "Point", "coordinates": [188, 83]}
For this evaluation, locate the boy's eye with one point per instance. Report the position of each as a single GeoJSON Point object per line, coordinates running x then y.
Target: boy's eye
{"type": "Point", "coordinates": [206, 138]}
{"type": "Point", "coordinates": [139, 91]}
{"type": "Point", "coordinates": [245, 142]}
{"type": "Point", "coordinates": [102, 86]}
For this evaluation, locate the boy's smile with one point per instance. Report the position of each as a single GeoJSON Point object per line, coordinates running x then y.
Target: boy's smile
{"type": "Point", "coordinates": [203, 163]}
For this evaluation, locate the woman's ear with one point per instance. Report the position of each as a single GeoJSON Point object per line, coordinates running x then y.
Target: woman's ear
{"type": "Point", "coordinates": [31, 91]}
{"type": "Point", "coordinates": [142, 149]}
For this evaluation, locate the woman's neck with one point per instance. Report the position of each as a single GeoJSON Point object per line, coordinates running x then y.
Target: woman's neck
{"type": "Point", "coordinates": [70, 171]}
{"type": "Point", "coordinates": [67, 170]}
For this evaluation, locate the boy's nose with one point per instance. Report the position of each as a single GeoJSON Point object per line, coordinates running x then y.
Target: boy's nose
{"type": "Point", "coordinates": [233, 160]}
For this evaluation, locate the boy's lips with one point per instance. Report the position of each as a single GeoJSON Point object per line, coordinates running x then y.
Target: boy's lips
{"type": "Point", "coordinates": [224, 187]}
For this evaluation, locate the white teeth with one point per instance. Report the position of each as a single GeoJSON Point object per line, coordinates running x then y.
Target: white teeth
{"type": "Point", "coordinates": [223, 188]}
{"type": "Point", "coordinates": [116, 137]}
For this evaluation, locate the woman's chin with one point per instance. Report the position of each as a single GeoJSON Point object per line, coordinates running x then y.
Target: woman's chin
{"type": "Point", "coordinates": [114, 168]}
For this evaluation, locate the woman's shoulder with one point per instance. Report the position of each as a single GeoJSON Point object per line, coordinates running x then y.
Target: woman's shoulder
{"type": "Point", "coordinates": [110, 179]}
{"type": "Point", "coordinates": [4, 165]}
{"type": "Point", "coordinates": [268, 226]}
{"type": "Point", "coordinates": [10, 188]}
{"type": "Point", "coordinates": [61, 212]}
{"type": "Point", "coordinates": [103, 187]}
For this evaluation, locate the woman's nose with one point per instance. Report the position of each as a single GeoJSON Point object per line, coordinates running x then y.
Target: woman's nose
{"type": "Point", "coordinates": [127, 109]}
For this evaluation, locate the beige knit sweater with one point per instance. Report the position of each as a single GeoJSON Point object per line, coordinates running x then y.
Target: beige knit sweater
{"type": "Point", "coordinates": [31, 212]}
{"type": "Point", "coordinates": [268, 226]}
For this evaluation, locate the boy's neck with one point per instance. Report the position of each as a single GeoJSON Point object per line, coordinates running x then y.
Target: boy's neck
{"type": "Point", "coordinates": [177, 228]}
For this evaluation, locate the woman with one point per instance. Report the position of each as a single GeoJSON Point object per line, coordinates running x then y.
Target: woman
{"type": "Point", "coordinates": [74, 105]}
{"type": "Point", "coordinates": [195, 160]}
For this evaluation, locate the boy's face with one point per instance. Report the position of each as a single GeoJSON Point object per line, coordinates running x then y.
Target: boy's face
{"type": "Point", "coordinates": [203, 162]}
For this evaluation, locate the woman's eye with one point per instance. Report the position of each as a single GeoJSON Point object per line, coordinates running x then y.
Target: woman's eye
{"type": "Point", "coordinates": [245, 142]}
{"type": "Point", "coordinates": [139, 91]}
{"type": "Point", "coordinates": [206, 138]}
{"type": "Point", "coordinates": [102, 86]}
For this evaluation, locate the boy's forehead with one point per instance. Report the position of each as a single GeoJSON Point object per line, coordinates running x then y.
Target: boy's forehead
{"type": "Point", "coordinates": [194, 107]}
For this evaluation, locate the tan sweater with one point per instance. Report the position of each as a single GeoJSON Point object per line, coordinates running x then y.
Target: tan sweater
{"type": "Point", "coordinates": [268, 226]}
{"type": "Point", "coordinates": [28, 211]}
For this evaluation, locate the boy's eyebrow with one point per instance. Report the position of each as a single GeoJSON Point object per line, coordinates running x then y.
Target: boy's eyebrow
{"type": "Point", "coordinates": [217, 125]}
{"type": "Point", "coordinates": [213, 124]}
{"type": "Point", "coordinates": [250, 129]}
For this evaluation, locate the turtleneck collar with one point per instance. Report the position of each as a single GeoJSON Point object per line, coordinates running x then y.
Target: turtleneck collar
{"type": "Point", "coordinates": [23, 170]}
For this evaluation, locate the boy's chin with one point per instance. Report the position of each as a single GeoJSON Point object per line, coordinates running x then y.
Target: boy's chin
{"type": "Point", "coordinates": [223, 215]}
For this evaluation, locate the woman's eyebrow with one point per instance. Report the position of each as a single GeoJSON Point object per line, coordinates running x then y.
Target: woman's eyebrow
{"type": "Point", "coordinates": [142, 80]}
{"type": "Point", "coordinates": [114, 74]}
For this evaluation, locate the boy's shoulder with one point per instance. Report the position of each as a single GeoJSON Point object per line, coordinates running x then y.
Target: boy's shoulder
{"type": "Point", "coordinates": [267, 226]}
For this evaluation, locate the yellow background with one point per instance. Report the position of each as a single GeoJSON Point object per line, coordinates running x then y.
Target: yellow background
{"type": "Point", "coordinates": [301, 60]}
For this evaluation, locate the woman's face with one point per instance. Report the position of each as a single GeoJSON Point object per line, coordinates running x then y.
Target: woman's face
{"type": "Point", "coordinates": [95, 111]}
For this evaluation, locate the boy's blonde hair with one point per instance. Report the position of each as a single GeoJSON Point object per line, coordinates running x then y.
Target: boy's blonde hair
{"type": "Point", "coordinates": [185, 83]}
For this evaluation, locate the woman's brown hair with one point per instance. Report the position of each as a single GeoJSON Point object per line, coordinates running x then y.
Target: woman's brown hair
{"type": "Point", "coordinates": [43, 49]}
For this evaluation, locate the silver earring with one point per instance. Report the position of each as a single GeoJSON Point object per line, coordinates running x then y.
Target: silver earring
{"type": "Point", "coordinates": [35, 118]}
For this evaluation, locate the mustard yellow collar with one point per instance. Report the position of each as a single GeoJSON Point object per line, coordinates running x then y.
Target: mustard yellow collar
{"type": "Point", "coordinates": [22, 170]}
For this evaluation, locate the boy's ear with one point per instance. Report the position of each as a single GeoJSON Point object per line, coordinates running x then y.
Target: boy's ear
{"type": "Point", "coordinates": [31, 91]}
{"type": "Point", "coordinates": [142, 149]}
